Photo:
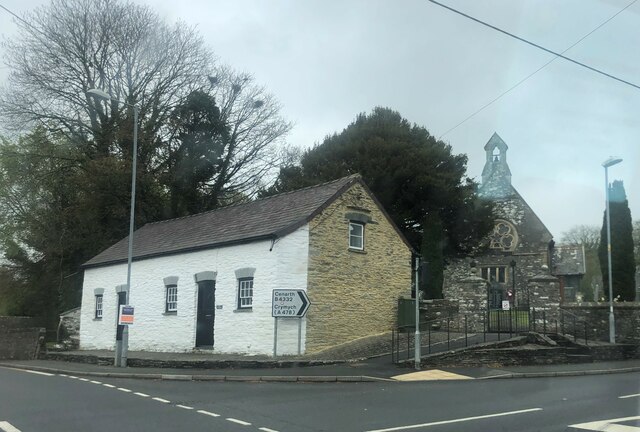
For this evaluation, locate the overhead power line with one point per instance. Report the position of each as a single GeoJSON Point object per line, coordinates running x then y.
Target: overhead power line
{"type": "Point", "coordinates": [491, 102]}
{"type": "Point", "coordinates": [593, 69]}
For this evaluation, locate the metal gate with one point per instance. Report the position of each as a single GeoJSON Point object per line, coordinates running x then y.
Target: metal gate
{"type": "Point", "coordinates": [513, 320]}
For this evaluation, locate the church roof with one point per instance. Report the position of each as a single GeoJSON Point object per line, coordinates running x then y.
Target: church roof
{"type": "Point", "coordinates": [569, 260]}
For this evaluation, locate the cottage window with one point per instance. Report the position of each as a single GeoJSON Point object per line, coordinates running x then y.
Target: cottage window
{"type": "Point", "coordinates": [245, 293]}
{"type": "Point", "coordinates": [356, 235]}
{"type": "Point", "coordinates": [98, 308]}
{"type": "Point", "coordinates": [495, 274]}
{"type": "Point", "coordinates": [172, 298]}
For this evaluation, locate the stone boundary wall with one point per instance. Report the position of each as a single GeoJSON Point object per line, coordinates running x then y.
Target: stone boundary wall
{"type": "Point", "coordinates": [21, 338]}
{"type": "Point", "coordinates": [438, 308]}
{"type": "Point", "coordinates": [18, 322]}
{"type": "Point", "coordinates": [627, 318]}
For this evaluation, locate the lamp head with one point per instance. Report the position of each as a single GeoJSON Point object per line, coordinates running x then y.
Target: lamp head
{"type": "Point", "coordinates": [611, 161]}
{"type": "Point", "coordinates": [100, 94]}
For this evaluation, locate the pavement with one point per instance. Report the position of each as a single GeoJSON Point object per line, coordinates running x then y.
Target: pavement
{"type": "Point", "coordinates": [366, 370]}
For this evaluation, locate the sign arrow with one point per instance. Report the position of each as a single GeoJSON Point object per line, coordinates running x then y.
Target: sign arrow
{"type": "Point", "coordinates": [289, 303]}
{"type": "Point", "coordinates": [305, 303]}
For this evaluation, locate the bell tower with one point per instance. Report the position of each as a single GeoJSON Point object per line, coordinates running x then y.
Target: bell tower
{"type": "Point", "coordinates": [496, 175]}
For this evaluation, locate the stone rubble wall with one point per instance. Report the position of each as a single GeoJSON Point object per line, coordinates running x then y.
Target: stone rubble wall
{"type": "Point", "coordinates": [20, 338]}
{"type": "Point", "coordinates": [627, 319]}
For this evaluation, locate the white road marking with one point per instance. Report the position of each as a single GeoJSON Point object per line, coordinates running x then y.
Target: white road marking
{"type": "Point", "coordinates": [456, 420]}
{"type": "Point", "coordinates": [109, 385]}
{"type": "Point", "coordinates": [83, 379]}
{"type": "Point", "coordinates": [95, 382]}
{"type": "Point", "coordinates": [208, 413]}
{"type": "Point", "coordinates": [126, 390]}
{"type": "Point", "coordinates": [31, 371]}
{"type": "Point", "coordinates": [73, 377]}
{"type": "Point", "coordinates": [629, 396]}
{"type": "Point", "coordinates": [161, 400]}
{"type": "Point", "coordinates": [63, 375]}
{"type": "Point", "coordinates": [141, 394]}
{"type": "Point", "coordinates": [609, 425]}
{"type": "Point", "coordinates": [240, 422]}
{"type": "Point", "coordinates": [267, 429]}
{"type": "Point", "coordinates": [8, 427]}
{"type": "Point", "coordinates": [184, 407]}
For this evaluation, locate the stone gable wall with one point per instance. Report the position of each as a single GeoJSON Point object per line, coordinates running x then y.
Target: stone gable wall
{"type": "Point", "coordinates": [354, 294]}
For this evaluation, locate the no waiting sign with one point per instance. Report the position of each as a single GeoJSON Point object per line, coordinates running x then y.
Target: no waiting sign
{"type": "Point", "coordinates": [289, 303]}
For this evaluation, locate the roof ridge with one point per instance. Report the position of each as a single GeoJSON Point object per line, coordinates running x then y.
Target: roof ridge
{"type": "Point", "coordinates": [351, 176]}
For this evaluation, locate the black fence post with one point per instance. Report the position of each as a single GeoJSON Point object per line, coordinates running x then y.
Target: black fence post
{"type": "Point", "coordinates": [484, 326]}
{"type": "Point", "coordinates": [544, 322]}
{"type": "Point", "coordinates": [393, 345]}
{"type": "Point", "coordinates": [465, 331]}
{"type": "Point", "coordinates": [499, 319]}
{"type": "Point", "coordinates": [586, 341]}
{"type": "Point", "coordinates": [429, 338]}
{"type": "Point", "coordinates": [510, 322]}
{"type": "Point", "coordinates": [575, 333]}
{"type": "Point", "coordinates": [533, 311]}
{"type": "Point", "coordinates": [409, 345]}
{"type": "Point", "coordinates": [448, 331]}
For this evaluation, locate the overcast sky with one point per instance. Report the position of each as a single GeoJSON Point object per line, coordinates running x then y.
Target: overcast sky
{"type": "Point", "coordinates": [327, 61]}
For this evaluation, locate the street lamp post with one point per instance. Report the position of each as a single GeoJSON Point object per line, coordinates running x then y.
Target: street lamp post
{"type": "Point", "coordinates": [513, 280]}
{"type": "Point", "coordinates": [121, 352]}
{"type": "Point", "coordinates": [612, 325]}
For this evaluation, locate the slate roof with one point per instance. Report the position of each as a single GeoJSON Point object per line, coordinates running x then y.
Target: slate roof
{"type": "Point", "coordinates": [270, 217]}
{"type": "Point", "coordinates": [569, 260]}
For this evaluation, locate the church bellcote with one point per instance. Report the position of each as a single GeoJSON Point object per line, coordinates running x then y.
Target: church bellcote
{"type": "Point", "coordinates": [496, 175]}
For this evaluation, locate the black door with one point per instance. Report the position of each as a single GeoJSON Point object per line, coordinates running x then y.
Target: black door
{"type": "Point", "coordinates": [206, 313]}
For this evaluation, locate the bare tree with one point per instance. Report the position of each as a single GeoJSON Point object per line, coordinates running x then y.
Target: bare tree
{"type": "Point", "coordinates": [586, 235]}
{"type": "Point", "coordinates": [71, 46]}
{"type": "Point", "coordinates": [256, 131]}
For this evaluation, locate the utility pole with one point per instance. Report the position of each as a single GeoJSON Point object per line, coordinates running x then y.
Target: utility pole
{"type": "Point", "coordinates": [418, 339]}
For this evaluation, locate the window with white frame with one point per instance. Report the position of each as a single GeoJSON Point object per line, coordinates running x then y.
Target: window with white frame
{"type": "Point", "coordinates": [172, 298]}
{"type": "Point", "coordinates": [495, 274]}
{"type": "Point", "coordinates": [356, 235]}
{"type": "Point", "coordinates": [245, 293]}
{"type": "Point", "coordinates": [98, 308]}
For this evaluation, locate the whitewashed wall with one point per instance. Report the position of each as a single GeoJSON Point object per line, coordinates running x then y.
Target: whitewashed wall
{"type": "Point", "coordinates": [248, 332]}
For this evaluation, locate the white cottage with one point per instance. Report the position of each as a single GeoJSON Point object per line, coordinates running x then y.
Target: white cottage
{"type": "Point", "coordinates": [205, 281]}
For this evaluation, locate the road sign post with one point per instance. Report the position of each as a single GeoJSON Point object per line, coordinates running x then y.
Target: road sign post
{"type": "Point", "coordinates": [288, 303]}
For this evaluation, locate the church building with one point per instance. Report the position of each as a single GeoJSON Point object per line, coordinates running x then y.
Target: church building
{"type": "Point", "coordinates": [521, 249]}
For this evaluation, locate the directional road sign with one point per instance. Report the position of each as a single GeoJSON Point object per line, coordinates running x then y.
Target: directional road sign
{"type": "Point", "coordinates": [289, 303]}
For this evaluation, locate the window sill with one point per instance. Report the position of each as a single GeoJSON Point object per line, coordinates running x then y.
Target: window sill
{"type": "Point", "coordinates": [359, 251]}
{"type": "Point", "coordinates": [170, 313]}
{"type": "Point", "coordinates": [242, 310]}
{"type": "Point", "coordinates": [97, 319]}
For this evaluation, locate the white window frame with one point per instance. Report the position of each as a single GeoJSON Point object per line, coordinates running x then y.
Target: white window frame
{"type": "Point", "coordinates": [98, 306]}
{"type": "Point", "coordinates": [171, 298]}
{"type": "Point", "coordinates": [245, 293]}
{"type": "Point", "coordinates": [359, 237]}
{"type": "Point", "coordinates": [495, 271]}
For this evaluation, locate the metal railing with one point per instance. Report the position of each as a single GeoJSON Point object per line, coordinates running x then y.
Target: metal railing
{"type": "Point", "coordinates": [456, 330]}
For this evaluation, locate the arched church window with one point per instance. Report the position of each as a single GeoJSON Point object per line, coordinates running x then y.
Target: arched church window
{"type": "Point", "coordinates": [504, 236]}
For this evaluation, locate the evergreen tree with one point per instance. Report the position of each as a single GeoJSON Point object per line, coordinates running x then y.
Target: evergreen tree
{"type": "Point", "coordinates": [622, 254]}
{"type": "Point", "coordinates": [419, 181]}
